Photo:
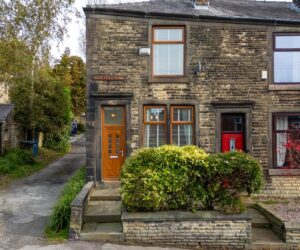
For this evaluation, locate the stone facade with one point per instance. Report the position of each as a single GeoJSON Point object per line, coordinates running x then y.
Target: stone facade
{"type": "Point", "coordinates": [202, 230]}
{"type": "Point", "coordinates": [233, 56]}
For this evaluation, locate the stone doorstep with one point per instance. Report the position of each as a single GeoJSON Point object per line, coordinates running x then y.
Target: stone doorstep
{"type": "Point", "coordinates": [103, 211]}
{"type": "Point", "coordinates": [107, 232]}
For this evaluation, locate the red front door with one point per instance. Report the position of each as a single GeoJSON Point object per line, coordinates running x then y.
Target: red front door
{"type": "Point", "coordinates": [233, 132]}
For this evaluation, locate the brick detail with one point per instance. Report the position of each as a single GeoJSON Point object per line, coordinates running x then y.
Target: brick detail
{"type": "Point", "coordinates": [200, 234]}
{"type": "Point", "coordinates": [282, 186]}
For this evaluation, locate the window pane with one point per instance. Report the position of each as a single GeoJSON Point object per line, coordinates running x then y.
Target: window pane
{"type": "Point", "coordinates": [168, 59]}
{"type": "Point", "coordinates": [232, 123]}
{"type": "Point", "coordinates": [287, 147]}
{"type": "Point", "coordinates": [287, 67]}
{"type": "Point", "coordinates": [168, 35]}
{"type": "Point", "coordinates": [182, 114]}
{"type": "Point", "coordinates": [182, 135]}
{"type": "Point", "coordinates": [113, 115]}
{"type": "Point", "coordinates": [287, 42]}
{"type": "Point", "coordinates": [154, 135]}
{"type": "Point", "coordinates": [155, 114]}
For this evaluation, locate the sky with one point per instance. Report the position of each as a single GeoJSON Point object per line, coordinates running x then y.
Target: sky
{"type": "Point", "coordinates": [77, 27]}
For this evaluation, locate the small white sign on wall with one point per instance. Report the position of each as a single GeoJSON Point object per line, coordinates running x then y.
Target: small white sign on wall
{"type": "Point", "coordinates": [264, 75]}
{"type": "Point", "coordinates": [144, 51]}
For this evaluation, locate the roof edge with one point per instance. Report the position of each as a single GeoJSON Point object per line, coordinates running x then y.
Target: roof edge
{"type": "Point", "coordinates": [186, 17]}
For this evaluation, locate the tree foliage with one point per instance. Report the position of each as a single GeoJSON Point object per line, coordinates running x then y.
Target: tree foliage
{"type": "Point", "coordinates": [27, 27]}
{"type": "Point", "coordinates": [71, 71]}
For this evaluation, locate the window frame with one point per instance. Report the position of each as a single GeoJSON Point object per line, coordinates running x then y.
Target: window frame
{"type": "Point", "coordinates": [183, 42]}
{"type": "Point", "coordinates": [285, 34]}
{"type": "Point", "coordinates": [164, 122]}
{"type": "Point", "coordinates": [274, 137]}
{"type": "Point", "coordinates": [172, 122]}
{"type": "Point", "coordinates": [168, 121]}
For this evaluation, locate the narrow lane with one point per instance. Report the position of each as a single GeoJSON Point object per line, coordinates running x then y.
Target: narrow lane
{"type": "Point", "coordinates": [25, 205]}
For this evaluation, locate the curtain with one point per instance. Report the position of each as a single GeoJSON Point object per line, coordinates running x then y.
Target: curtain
{"type": "Point", "coordinates": [281, 139]}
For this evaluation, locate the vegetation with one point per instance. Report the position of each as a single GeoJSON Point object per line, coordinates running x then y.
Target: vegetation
{"type": "Point", "coordinates": [171, 177]}
{"type": "Point", "coordinates": [19, 163]}
{"type": "Point", "coordinates": [42, 100]}
{"type": "Point", "coordinates": [58, 141]}
{"type": "Point", "coordinates": [71, 71]}
{"type": "Point", "coordinates": [58, 225]}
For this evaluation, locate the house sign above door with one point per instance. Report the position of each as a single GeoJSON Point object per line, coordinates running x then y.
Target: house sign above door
{"type": "Point", "coordinates": [108, 78]}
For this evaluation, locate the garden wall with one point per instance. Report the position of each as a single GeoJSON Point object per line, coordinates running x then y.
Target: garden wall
{"type": "Point", "coordinates": [186, 229]}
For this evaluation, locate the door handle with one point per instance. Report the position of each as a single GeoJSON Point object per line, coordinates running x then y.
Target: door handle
{"type": "Point", "coordinates": [121, 152]}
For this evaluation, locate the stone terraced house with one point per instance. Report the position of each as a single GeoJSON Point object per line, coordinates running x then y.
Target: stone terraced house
{"type": "Point", "coordinates": [220, 74]}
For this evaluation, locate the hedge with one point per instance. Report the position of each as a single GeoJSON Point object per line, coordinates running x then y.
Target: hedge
{"type": "Point", "coordinates": [187, 178]}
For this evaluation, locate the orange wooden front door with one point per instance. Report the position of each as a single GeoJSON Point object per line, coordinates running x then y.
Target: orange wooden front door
{"type": "Point", "coordinates": [113, 141]}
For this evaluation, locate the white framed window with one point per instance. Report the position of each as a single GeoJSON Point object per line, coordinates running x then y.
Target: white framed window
{"type": "Point", "coordinates": [168, 51]}
{"type": "Point", "coordinates": [287, 58]}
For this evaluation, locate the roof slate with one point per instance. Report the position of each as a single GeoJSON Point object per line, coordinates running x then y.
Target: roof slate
{"type": "Point", "coordinates": [5, 110]}
{"type": "Point", "coordinates": [224, 9]}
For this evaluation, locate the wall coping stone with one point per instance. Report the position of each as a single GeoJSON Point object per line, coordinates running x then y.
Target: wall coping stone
{"type": "Point", "coordinates": [284, 172]}
{"type": "Point", "coordinates": [80, 198]}
{"type": "Point", "coordinates": [184, 216]}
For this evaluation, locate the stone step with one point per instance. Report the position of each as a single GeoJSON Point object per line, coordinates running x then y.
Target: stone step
{"type": "Point", "coordinates": [263, 238]}
{"type": "Point", "coordinates": [108, 194]}
{"type": "Point", "coordinates": [109, 184]}
{"type": "Point", "coordinates": [105, 232]}
{"type": "Point", "coordinates": [103, 211]}
{"type": "Point", "coordinates": [258, 220]}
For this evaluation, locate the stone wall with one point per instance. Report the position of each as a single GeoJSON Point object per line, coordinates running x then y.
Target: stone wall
{"type": "Point", "coordinates": [232, 57]}
{"type": "Point", "coordinates": [185, 229]}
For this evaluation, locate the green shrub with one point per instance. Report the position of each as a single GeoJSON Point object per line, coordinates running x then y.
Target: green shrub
{"type": "Point", "coordinates": [230, 174]}
{"type": "Point", "coordinates": [15, 158]}
{"type": "Point", "coordinates": [81, 127]}
{"type": "Point", "coordinates": [58, 141]}
{"type": "Point", "coordinates": [171, 177]}
{"type": "Point", "coordinates": [60, 218]}
{"type": "Point", "coordinates": [158, 178]}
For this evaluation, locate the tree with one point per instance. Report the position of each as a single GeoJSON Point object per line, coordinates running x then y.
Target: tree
{"type": "Point", "coordinates": [50, 112]}
{"type": "Point", "coordinates": [71, 71]}
{"type": "Point", "coordinates": [29, 25]}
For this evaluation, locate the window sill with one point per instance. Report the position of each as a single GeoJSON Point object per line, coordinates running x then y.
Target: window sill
{"type": "Point", "coordinates": [284, 172]}
{"type": "Point", "coordinates": [179, 79]}
{"type": "Point", "coordinates": [278, 87]}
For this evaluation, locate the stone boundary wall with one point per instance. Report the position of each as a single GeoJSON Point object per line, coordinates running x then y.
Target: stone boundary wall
{"type": "Point", "coordinates": [203, 229]}
{"type": "Point", "coordinates": [287, 231]}
{"type": "Point", "coordinates": [77, 211]}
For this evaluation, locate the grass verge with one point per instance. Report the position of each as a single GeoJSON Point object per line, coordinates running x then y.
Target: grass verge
{"type": "Point", "coordinates": [19, 163]}
{"type": "Point", "coordinates": [58, 225]}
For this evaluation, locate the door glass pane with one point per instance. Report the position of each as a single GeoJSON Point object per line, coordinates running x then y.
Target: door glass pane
{"type": "Point", "coordinates": [287, 42]}
{"type": "Point", "coordinates": [232, 123]}
{"type": "Point", "coordinates": [182, 135]}
{"type": "Point", "coordinates": [155, 114]}
{"type": "Point", "coordinates": [168, 59]}
{"type": "Point", "coordinates": [182, 114]}
{"type": "Point", "coordinates": [287, 67]}
{"type": "Point", "coordinates": [113, 115]}
{"type": "Point", "coordinates": [154, 135]}
{"type": "Point", "coordinates": [168, 35]}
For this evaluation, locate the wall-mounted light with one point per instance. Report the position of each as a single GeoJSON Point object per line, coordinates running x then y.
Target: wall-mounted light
{"type": "Point", "coordinates": [198, 68]}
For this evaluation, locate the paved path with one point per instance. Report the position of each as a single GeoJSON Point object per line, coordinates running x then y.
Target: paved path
{"type": "Point", "coordinates": [26, 205]}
